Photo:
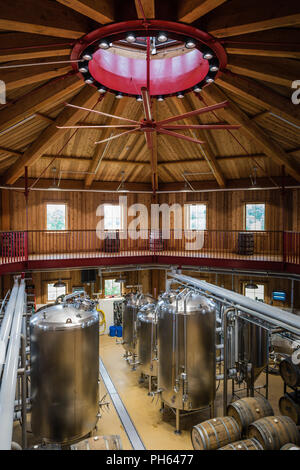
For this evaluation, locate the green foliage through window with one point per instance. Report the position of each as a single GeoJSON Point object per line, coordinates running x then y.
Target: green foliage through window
{"type": "Point", "coordinates": [255, 216]}
{"type": "Point", "coordinates": [56, 217]}
{"type": "Point", "coordinates": [112, 288]}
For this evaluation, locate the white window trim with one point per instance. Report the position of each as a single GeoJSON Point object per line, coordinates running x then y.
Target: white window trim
{"type": "Point", "coordinates": [187, 215]}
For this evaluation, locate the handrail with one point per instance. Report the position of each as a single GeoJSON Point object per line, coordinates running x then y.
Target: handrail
{"type": "Point", "coordinates": [9, 380]}
{"type": "Point", "coordinates": [7, 322]}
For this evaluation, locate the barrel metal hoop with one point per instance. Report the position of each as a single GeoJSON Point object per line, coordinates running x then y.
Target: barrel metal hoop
{"type": "Point", "coordinates": [202, 433]}
{"type": "Point", "coordinates": [215, 432]}
{"type": "Point", "coordinates": [226, 429]}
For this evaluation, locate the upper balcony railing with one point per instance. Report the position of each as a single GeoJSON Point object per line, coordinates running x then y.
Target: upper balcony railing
{"type": "Point", "coordinates": [230, 245]}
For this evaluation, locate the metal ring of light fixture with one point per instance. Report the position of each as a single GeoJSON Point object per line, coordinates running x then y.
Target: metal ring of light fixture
{"type": "Point", "coordinates": [193, 38]}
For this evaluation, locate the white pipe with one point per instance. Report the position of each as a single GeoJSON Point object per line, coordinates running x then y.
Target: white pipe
{"type": "Point", "coordinates": [8, 386]}
{"type": "Point", "coordinates": [6, 323]}
{"type": "Point", "coordinates": [274, 315]}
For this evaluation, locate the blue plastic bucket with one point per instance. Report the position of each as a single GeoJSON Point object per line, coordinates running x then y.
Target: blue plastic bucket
{"type": "Point", "coordinates": [112, 330]}
{"type": "Point", "coordinates": [119, 331]}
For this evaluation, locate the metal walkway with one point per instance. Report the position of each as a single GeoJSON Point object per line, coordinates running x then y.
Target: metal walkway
{"type": "Point", "coordinates": [133, 435]}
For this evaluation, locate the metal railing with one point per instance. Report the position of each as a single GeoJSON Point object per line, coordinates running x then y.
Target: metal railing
{"type": "Point", "coordinates": [274, 246]}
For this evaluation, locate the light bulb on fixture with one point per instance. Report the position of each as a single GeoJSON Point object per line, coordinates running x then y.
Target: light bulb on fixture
{"type": "Point", "coordinates": [89, 80]}
{"type": "Point", "coordinates": [160, 98]}
{"type": "Point", "coordinates": [102, 89]}
{"type": "Point", "coordinates": [88, 55]}
{"type": "Point", "coordinates": [104, 44]}
{"type": "Point", "coordinates": [130, 38]}
{"type": "Point", "coordinates": [162, 37]}
{"type": "Point", "coordinates": [197, 88]}
{"type": "Point", "coordinates": [139, 98]}
{"type": "Point", "coordinates": [83, 69]}
{"type": "Point", "coordinates": [208, 55]}
{"type": "Point", "coordinates": [119, 95]}
{"type": "Point", "coordinates": [209, 80]}
{"type": "Point", "coordinates": [180, 95]}
{"type": "Point", "coordinates": [190, 44]}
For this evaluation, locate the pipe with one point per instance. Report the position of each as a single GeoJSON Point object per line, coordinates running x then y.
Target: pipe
{"type": "Point", "coordinates": [6, 323]}
{"type": "Point", "coordinates": [266, 312]}
{"type": "Point", "coordinates": [8, 388]}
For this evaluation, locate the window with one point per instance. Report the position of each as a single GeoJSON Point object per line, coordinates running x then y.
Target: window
{"type": "Point", "coordinates": [112, 288]}
{"type": "Point", "coordinates": [56, 216]}
{"type": "Point", "coordinates": [255, 216]}
{"type": "Point", "coordinates": [195, 216]}
{"type": "Point", "coordinates": [256, 294]}
{"type": "Point", "coordinates": [54, 292]}
{"type": "Point", "coordinates": [112, 217]}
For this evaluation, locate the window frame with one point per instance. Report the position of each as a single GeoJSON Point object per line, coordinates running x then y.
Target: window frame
{"type": "Point", "coordinates": [57, 203]}
{"type": "Point", "coordinates": [260, 283]}
{"type": "Point", "coordinates": [53, 281]}
{"type": "Point", "coordinates": [187, 215]}
{"type": "Point", "coordinates": [122, 208]}
{"type": "Point", "coordinates": [245, 216]}
{"type": "Point", "coordinates": [109, 296]}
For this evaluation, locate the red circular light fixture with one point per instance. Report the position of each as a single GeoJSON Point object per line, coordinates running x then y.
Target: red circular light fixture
{"type": "Point", "coordinates": [178, 64]}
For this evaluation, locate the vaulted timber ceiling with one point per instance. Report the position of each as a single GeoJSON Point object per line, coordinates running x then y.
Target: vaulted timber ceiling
{"type": "Point", "coordinates": [262, 42]}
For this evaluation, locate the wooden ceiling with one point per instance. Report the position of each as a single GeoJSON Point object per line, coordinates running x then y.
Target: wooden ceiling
{"type": "Point", "coordinates": [262, 41]}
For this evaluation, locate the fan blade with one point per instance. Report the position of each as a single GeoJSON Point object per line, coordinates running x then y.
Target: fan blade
{"type": "Point", "coordinates": [146, 103]}
{"type": "Point", "coordinates": [116, 126]}
{"type": "Point", "coordinates": [179, 136]}
{"type": "Point", "coordinates": [202, 126]}
{"type": "Point", "coordinates": [193, 113]}
{"type": "Point", "coordinates": [116, 136]}
{"type": "Point", "coordinates": [103, 114]}
{"type": "Point", "coordinates": [149, 139]}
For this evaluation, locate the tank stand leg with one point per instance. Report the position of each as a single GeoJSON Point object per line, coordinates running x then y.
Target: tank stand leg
{"type": "Point", "coordinates": [150, 385]}
{"type": "Point", "coordinates": [162, 406]}
{"type": "Point", "coordinates": [134, 357]}
{"type": "Point", "coordinates": [177, 430]}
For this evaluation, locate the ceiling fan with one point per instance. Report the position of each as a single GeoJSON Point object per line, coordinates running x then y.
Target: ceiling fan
{"type": "Point", "coordinates": [149, 125]}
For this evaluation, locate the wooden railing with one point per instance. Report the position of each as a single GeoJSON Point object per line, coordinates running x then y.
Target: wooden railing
{"type": "Point", "coordinates": [274, 246]}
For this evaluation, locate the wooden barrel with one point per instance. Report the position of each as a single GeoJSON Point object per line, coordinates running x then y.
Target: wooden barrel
{"type": "Point", "coordinates": [245, 243]}
{"type": "Point", "coordinates": [274, 431]}
{"type": "Point", "coordinates": [249, 409]}
{"type": "Point", "coordinates": [247, 444]}
{"type": "Point", "coordinates": [289, 406]}
{"type": "Point", "coordinates": [290, 446]}
{"type": "Point", "coordinates": [215, 433]}
{"type": "Point", "coordinates": [290, 372]}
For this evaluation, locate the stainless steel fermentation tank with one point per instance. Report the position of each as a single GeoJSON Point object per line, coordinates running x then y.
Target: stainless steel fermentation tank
{"type": "Point", "coordinates": [186, 351]}
{"type": "Point", "coordinates": [131, 306]}
{"type": "Point", "coordinates": [147, 341]}
{"type": "Point", "coordinates": [64, 371]}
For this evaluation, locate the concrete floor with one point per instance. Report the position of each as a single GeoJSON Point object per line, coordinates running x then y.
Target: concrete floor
{"type": "Point", "coordinates": [155, 429]}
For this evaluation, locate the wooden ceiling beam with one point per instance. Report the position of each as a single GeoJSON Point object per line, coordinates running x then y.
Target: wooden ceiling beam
{"type": "Point", "coordinates": [282, 42]}
{"type": "Point", "coordinates": [234, 18]}
{"type": "Point", "coordinates": [17, 78]}
{"type": "Point", "coordinates": [251, 130]}
{"type": "Point", "coordinates": [118, 108]}
{"type": "Point", "coordinates": [45, 183]}
{"type": "Point", "coordinates": [148, 7]}
{"type": "Point", "coordinates": [191, 10]}
{"type": "Point", "coordinates": [46, 18]}
{"type": "Point", "coordinates": [281, 72]}
{"type": "Point", "coordinates": [261, 95]}
{"type": "Point", "coordinates": [183, 107]}
{"type": "Point", "coordinates": [88, 97]}
{"type": "Point", "coordinates": [24, 46]}
{"type": "Point", "coordinates": [101, 11]}
{"type": "Point", "coordinates": [38, 100]}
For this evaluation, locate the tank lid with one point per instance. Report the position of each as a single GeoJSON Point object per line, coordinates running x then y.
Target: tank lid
{"type": "Point", "coordinates": [60, 317]}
